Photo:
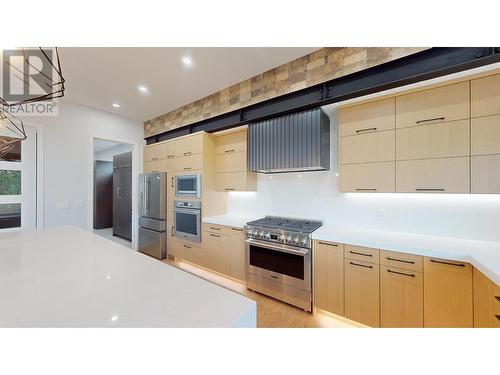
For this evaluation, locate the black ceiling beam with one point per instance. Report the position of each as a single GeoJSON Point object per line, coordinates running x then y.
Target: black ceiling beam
{"type": "Point", "coordinates": [421, 66]}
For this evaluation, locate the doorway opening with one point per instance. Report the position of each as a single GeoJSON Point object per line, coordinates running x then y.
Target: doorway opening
{"type": "Point", "coordinates": [112, 190]}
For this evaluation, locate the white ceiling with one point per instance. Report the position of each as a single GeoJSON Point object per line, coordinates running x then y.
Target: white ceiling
{"type": "Point", "coordinates": [99, 77]}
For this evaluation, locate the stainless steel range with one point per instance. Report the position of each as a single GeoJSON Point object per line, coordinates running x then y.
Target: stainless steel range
{"type": "Point", "coordinates": [278, 258]}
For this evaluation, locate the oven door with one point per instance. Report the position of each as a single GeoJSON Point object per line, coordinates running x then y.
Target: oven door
{"type": "Point", "coordinates": [289, 265]}
{"type": "Point", "coordinates": [188, 186]}
{"type": "Point", "coordinates": [187, 224]}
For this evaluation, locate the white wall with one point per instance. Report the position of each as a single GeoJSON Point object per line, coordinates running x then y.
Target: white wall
{"type": "Point", "coordinates": [68, 159]}
{"type": "Point", "coordinates": [107, 154]}
{"type": "Point", "coordinates": [316, 195]}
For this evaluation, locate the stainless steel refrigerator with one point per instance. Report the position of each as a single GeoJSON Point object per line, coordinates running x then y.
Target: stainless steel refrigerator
{"type": "Point", "coordinates": [153, 214]}
{"type": "Point", "coordinates": [122, 195]}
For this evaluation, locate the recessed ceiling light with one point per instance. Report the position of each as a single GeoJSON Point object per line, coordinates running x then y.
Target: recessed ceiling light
{"type": "Point", "coordinates": [143, 89]}
{"type": "Point", "coordinates": [187, 60]}
{"type": "Point", "coordinates": [114, 318]}
{"type": "Point", "coordinates": [116, 105]}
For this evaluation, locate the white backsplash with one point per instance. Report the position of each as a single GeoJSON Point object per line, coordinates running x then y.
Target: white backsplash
{"type": "Point", "coordinates": [316, 195]}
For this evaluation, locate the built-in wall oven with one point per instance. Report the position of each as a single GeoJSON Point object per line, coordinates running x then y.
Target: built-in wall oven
{"type": "Point", "coordinates": [187, 220]}
{"type": "Point", "coordinates": [188, 186]}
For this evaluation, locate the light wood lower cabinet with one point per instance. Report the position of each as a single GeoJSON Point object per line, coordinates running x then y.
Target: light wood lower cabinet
{"type": "Point", "coordinates": [237, 267]}
{"type": "Point", "coordinates": [328, 272]}
{"type": "Point", "coordinates": [368, 177]}
{"type": "Point", "coordinates": [485, 174]}
{"type": "Point", "coordinates": [401, 298]}
{"type": "Point", "coordinates": [448, 298]}
{"type": "Point", "coordinates": [189, 251]}
{"type": "Point", "coordinates": [362, 292]}
{"type": "Point", "coordinates": [171, 248]}
{"type": "Point", "coordinates": [447, 175]}
{"type": "Point", "coordinates": [216, 252]}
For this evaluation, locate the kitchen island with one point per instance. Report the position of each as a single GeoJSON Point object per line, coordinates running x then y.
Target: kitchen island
{"type": "Point", "coordinates": [68, 277]}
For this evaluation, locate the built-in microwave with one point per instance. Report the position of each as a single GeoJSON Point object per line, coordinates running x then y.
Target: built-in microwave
{"type": "Point", "coordinates": [188, 186]}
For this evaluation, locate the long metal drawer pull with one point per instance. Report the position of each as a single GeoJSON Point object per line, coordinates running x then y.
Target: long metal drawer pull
{"type": "Point", "coordinates": [401, 273]}
{"type": "Point", "coordinates": [447, 263]}
{"type": "Point", "coordinates": [187, 168]}
{"type": "Point", "coordinates": [214, 228]}
{"type": "Point", "coordinates": [366, 189]}
{"type": "Point", "coordinates": [170, 156]}
{"type": "Point", "coordinates": [214, 235]}
{"type": "Point", "coordinates": [430, 189]}
{"type": "Point", "coordinates": [154, 159]}
{"type": "Point", "coordinates": [172, 182]}
{"type": "Point", "coordinates": [365, 255]}
{"type": "Point", "coordinates": [173, 231]}
{"type": "Point", "coordinates": [237, 229]}
{"type": "Point", "coordinates": [228, 189]}
{"type": "Point", "coordinates": [274, 276]}
{"type": "Point", "coordinates": [189, 247]}
{"type": "Point", "coordinates": [431, 119]}
{"type": "Point", "coordinates": [365, 130]}
{"type": "Point", "coordinates": [360, 265]}
{"type": "Point", "coordinates": [497, 298]}
{"type": "Point", "coordinates": [328, 244]}
{"type": "Point", "coordinates": [401, 260]}
{"type": "Point", "coordinates": [228, 151]}
{"type": "Point", "coordinates": [187, 153]}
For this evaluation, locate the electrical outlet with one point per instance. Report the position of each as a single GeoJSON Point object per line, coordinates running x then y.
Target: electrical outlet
{"type": "Point", "coordinates": [380, 213]}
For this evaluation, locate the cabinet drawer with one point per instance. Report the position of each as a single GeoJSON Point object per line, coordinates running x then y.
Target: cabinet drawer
{"type": "Point", "coordinates": [402, 261]}
{"type": "Point", "coordinates": [189, 145]}
{"type": "Point", "coordinates": [218, 229]}
{"type": "Point", "coordinates": [236, 181]}
{"type": "Point", "coordinates": [373, 147]}
{"type": "Point", "coordinates": [449, 175]}
{"type": "Point", "coordinates": [155, 166]}
{"type": "Point", "coordinates": [485, 174]}
{"type": "Point", "coordinates": [368, 177]}
{"type": "Point", "coordinates": [188, 163]}
{"type": "Point", "coordinates": [155, 152]}
{"type": "Point", "coordinates": [450, 139]}
{"type": "Point", "coordinates": [447, 103]}
{"type": "Point", "coordinates": [232, 162]}
{"type": "Point", "coordinates": [189, 252]}
{"type": "Point", "coordinates": [231, 143]}
{"type": "Point", "coordinates": [368, 117]}
{"type": "Point", "coordinates": [485, 135]}
{"type": "Point", "coordinates": [485, 96]}
{"type": "Point", "coordinates": [364, 254]}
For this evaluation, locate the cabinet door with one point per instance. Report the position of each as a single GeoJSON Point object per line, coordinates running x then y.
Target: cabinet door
{"type": "Point", "coordinates": [485, 174]}
{"type": "Point", "coordinates": [232, 162]}
{"type": "Point", "coordinates": [449, 139]}
{"type": "Point", "coordinates": [447, 294]}
{"type": "Point", "coordinates": [155, 152]}
{"type": "Point", "coordinates": [366, 148]}
{"type": "Point", "coordinates": [484, 299]}
{"type": "Point", "coordinates": [155, 166]}
{"type": "Point", "coordinates": [329, 277]}
{"type": "Point", "coordinates": [216, 252]}
{"type": "Point", "coordinates": [485, 96]}
{"type": "Point", "coordinates": [171, 248]}
{"type": "Point", "coordinates": [362, 292]}
{"type": "Point", "coordinates": [485, 135]}
{"type": "Point", "coordinates": [368, 177]}
{"type": "Point", "coordinates": [237, 254]}
{"type": "Point", "coordinates": [236, 181]}
{"type": "Point", "coordinates": [447, 103]}
{"type": "Point", "coordinates": [401, 298]}
{"type": "Point", "coordinates": [447, 175]}
{"type": "Point", "coordinates": [367, 117]}
{"type": "Point", "coordinates": [231, 143]}
{"type": "Point", "coordinates": [190, 252]}
{"type": "Point", "coordinates": [189, 145]}
{"type": "Point", "coordinates": [188, 163]}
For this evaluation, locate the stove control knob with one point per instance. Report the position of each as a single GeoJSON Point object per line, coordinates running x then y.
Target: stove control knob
{"type": "Point", "coordinates": [296, 239]}
{"type": "Point", "coordinates": [304, 241]}
{"type": "Point", "coordinates": [288, 238]}
{"type": "Point", "coordinates": [261, 234]}
{"type": "Point", "coordinates": [267, 235]}
{"type": "Point", "coordinates": [282, 238]}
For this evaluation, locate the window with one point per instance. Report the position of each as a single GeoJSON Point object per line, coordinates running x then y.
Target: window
{"type": "Point", "coordinates": [10, 182]}
{"type": "Point", "coordinates": [10, 215]}
{"type": "Point", "coordinates": [10, 188]}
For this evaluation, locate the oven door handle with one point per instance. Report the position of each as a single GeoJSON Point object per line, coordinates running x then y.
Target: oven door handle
{"type": "Point", "coordinates": [282, 248]}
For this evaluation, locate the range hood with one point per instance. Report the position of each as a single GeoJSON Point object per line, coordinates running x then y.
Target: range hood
{"type": "Point", "coordinates": [291, 143]}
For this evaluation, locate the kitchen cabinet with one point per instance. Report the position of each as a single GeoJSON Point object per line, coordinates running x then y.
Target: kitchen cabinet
{"type": "Point", "coordinates": [189, 145]}
{"type": "Point", "coordinates": [486, 302]}
{"type": "Point", "coordinates": [189, 251]}
{"type": "Point", "coordinates": [188, 163]}
{"type": "Point", "coordinates": [154, 166]}
{"type": "Point", "coordinates": [446, 175]}
{"type": "Point", "coordinates": [448, 298]}
{"type": "Point", "coordinates": [435, 105]}
{"type": "Point", "coordinates": [328, 269]}
{"type": "Point", "coordinates": [156, 151]}
{"type": "Point", "coordinates": [237, 266]}
{"type": "Point", "coordinates": [231, 143]}
{"type": "Point", "coordinates": [485, 135]}
{"type": "Point", "coordinates": [215, 228]}
{"type": "Point", "coordinates": [485, 174]}
{"type": "Point", "coordinates": [450, 139]}
{"type": "Point", "coordinates": [233, 162]}
{"type": "Point", "coordinates": [401, 298]}
{"type": "Point", "coordinates": [236, 181]}
{"type": "Point", "coordinates": [367, 117]}
{"type": "Point", "coordinates": [485, 96]}
{"type": "Point", "coordinates": [401, 260]}
{"type": "Point", "coordinates": [364, 254]}
{"type": "Point", "coordinates": [362, 292]}
{"type": "Point", "coordinates": [368, 177]}
{"type": "Point", "coordinates": [171, 248]}
{"type": "Point", "coordinates": [216, 252]}
{"type": "Point", "coordinates": [366, 148]}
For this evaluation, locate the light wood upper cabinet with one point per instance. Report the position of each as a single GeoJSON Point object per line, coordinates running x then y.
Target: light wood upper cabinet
{"type": "Point", "coordinates": [401, 298]}
{"type": "Point", "coordinates": [237, 266]}
{"type": "Point", "coordinates": [450, 139]}
{"type": "Point", "coordinates": [156, 151]}
{"type": "Point", "coordinates": [448, 175]}
{"type": "Point", "coordinates": [236, 181]}
{"type": "Point", "coordinates": [368, 177]}
{"type": "Point", "coordinates": [373, 147]}
{"type": "Point", "coordinates": [329, 276]}
{"type": "Point", "coordinates": [362, 292]}
{"type": "Point", "coordinates": [188, 163]}
{"type": "Point", "coordinates": [367, 117]}
{"type": "Point", "coordinates": [446, 103]}
{"type": "Point", "coordinates": [448, 299]}
{"type": "Point", "coordinates": [232, 162]}
{"type": "Point", "coordinates": [231, 143]}
{"type": "Point", "coordinates": [485, 174]}
{"type": "Point", "coordinates": [485, 96]}
{"type": "Point", "coordinates": [485, 135]}
{"type": "Point", "coordinates": [189, 145]}
{"type": "Point", "coordinates": [154, 166]}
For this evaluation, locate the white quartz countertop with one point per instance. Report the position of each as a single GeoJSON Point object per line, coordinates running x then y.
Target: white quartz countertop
{"type": "Point", "coordinates": [230, 220]}
{"type": "Point", "coordinates": [68, 277]}
{"type": "Point", "coordinates": [484, 255]}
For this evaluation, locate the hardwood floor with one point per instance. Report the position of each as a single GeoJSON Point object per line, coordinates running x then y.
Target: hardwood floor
{"type": "Point", "coordinates": [271, 313]}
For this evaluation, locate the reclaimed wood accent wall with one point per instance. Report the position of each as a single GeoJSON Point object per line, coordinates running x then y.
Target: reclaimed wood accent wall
{"type": "Point", "coordinates": [320, 66]}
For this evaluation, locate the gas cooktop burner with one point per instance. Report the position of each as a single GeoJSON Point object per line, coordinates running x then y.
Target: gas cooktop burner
{"type": "Point", "coordinates": [287, 224]}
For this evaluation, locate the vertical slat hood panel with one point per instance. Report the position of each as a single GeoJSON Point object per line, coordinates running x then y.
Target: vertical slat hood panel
{"type": "Point", "coordinates": [291, 143]}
